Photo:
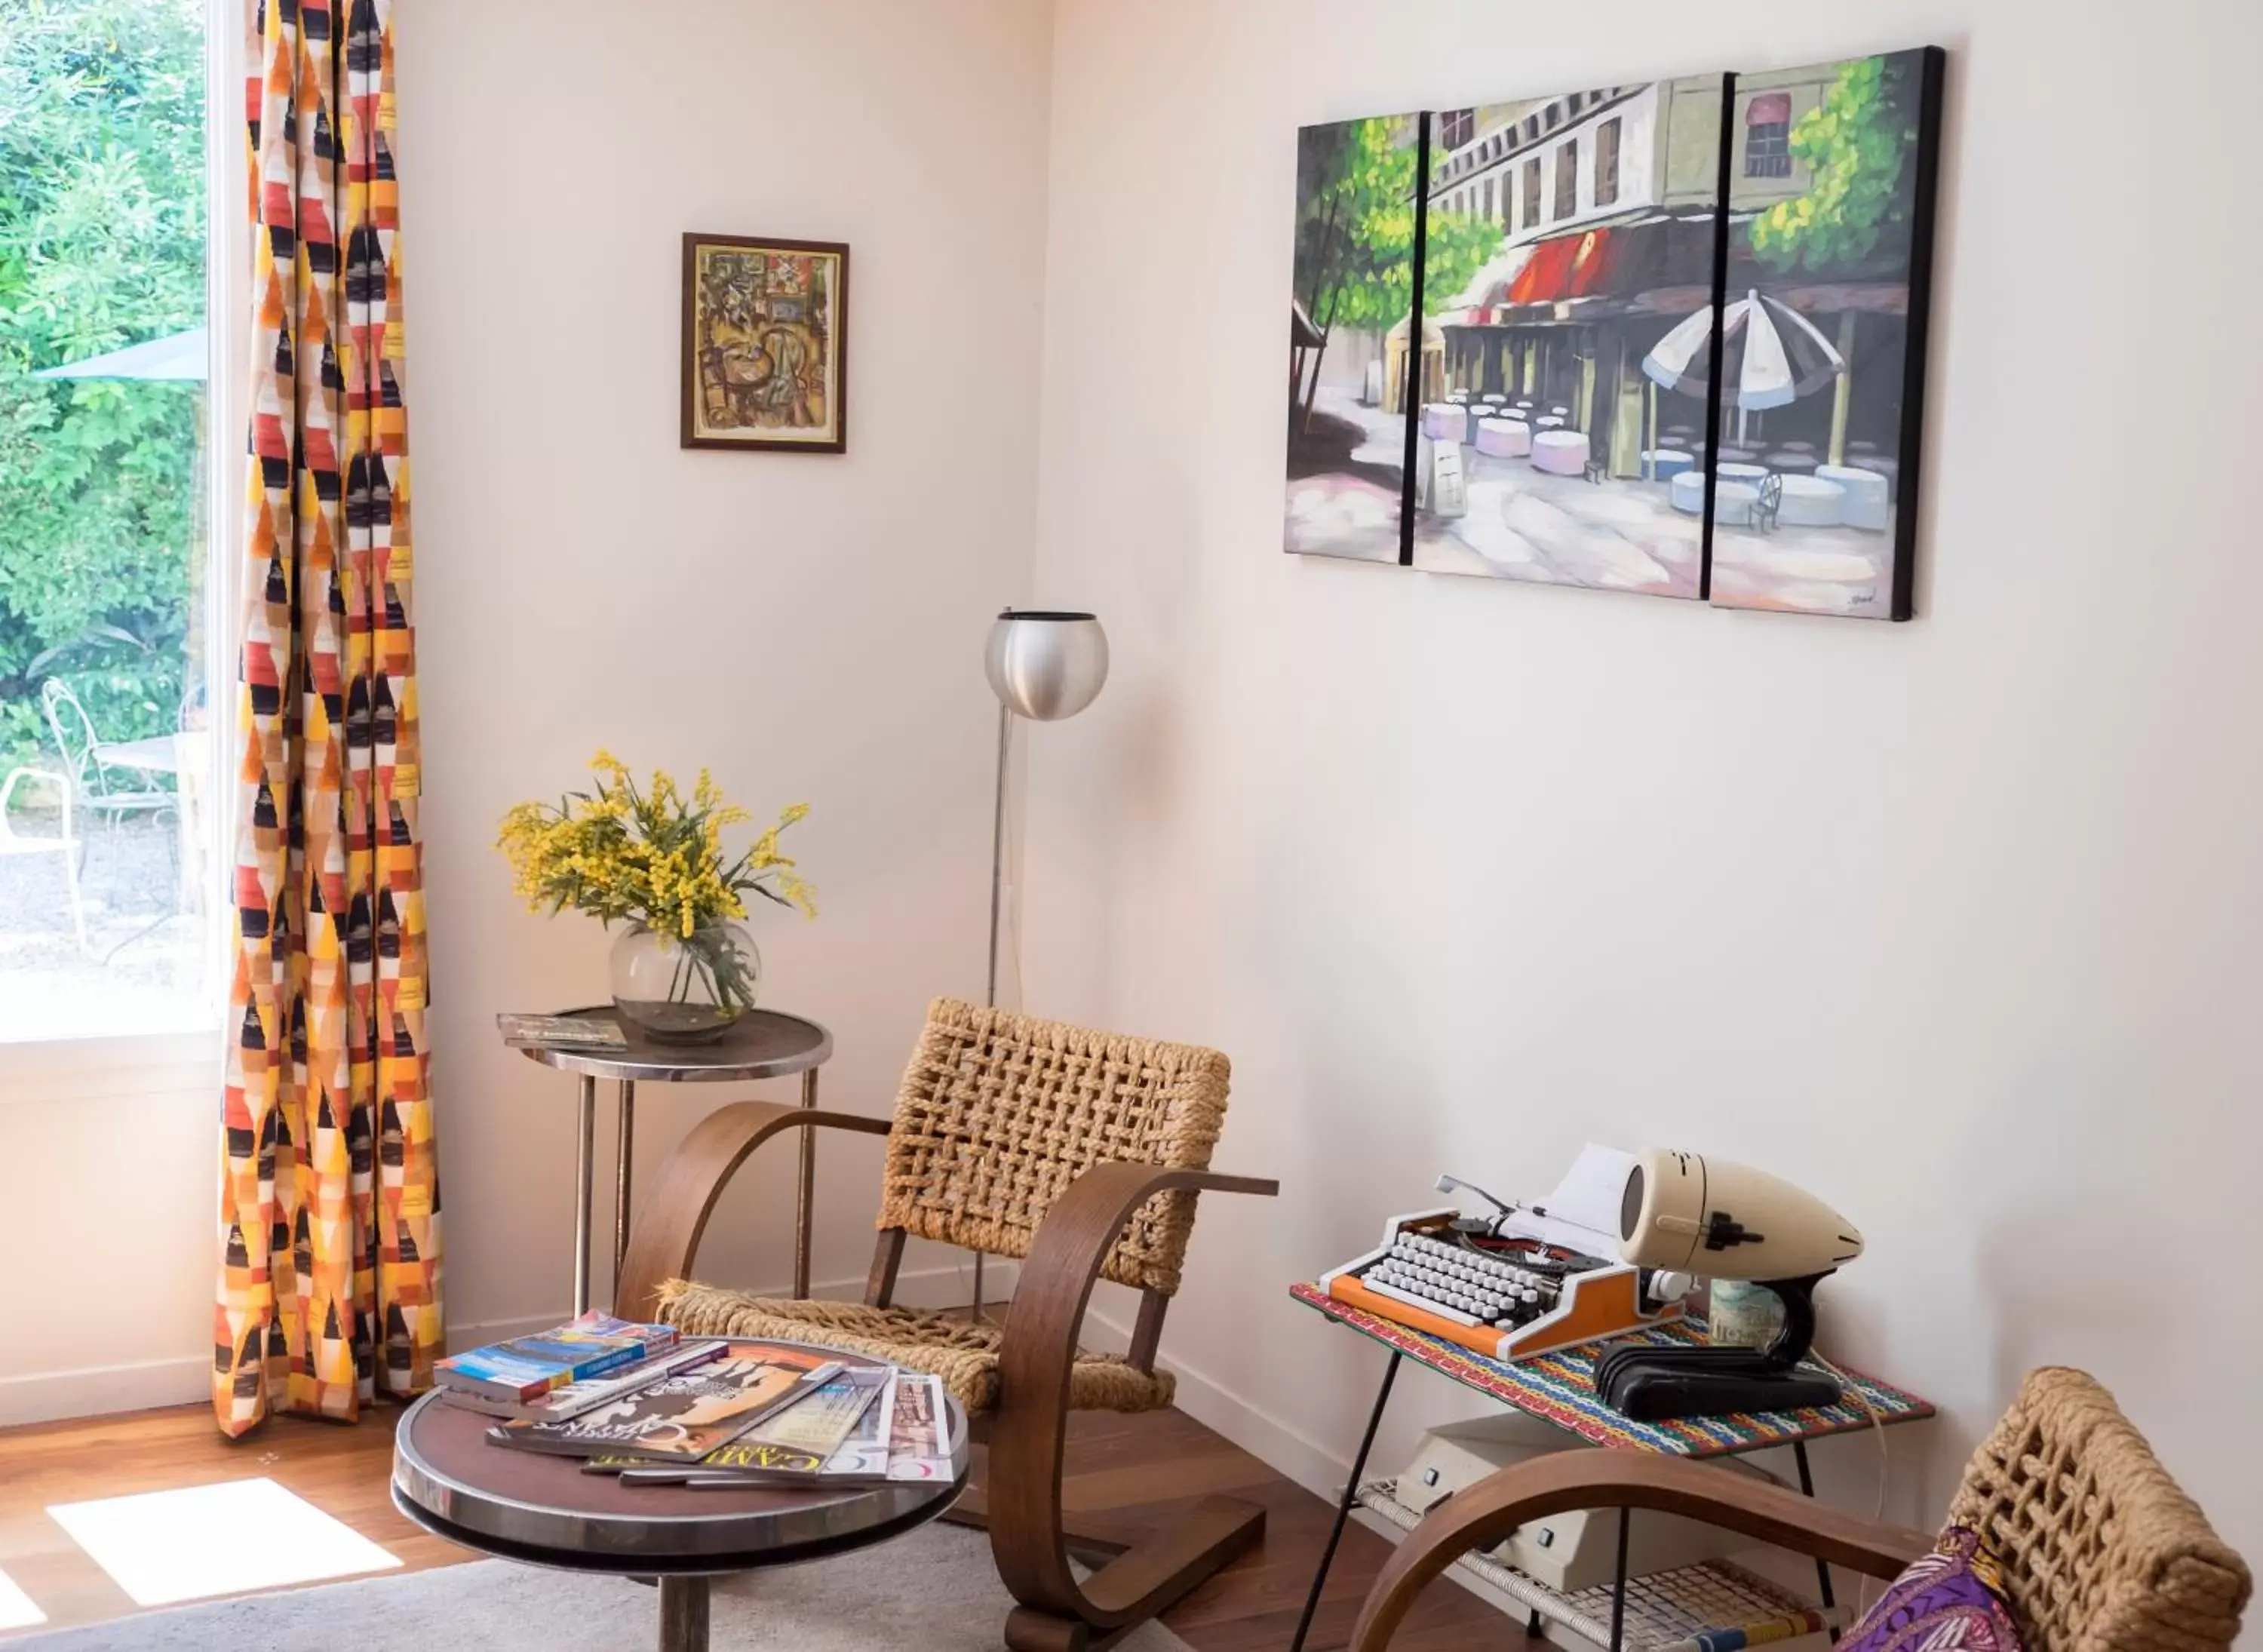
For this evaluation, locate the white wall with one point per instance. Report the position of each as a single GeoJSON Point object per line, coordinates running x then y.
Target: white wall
{"type": "Point", "coordinates": [1955, 922]}
{"type": "Point", "coordinates": [810, 627]}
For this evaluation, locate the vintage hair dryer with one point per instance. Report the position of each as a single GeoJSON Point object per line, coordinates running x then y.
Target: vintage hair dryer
{"type": "Point", "coordinates": [1726, 1221]}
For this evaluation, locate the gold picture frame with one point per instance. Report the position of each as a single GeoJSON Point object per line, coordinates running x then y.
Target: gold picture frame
{"type": "Point", "coordinates": [765, 343]}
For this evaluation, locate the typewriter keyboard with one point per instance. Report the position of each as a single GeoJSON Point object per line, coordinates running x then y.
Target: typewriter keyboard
{"type": "Point", "coordinates": [1463, 1285]}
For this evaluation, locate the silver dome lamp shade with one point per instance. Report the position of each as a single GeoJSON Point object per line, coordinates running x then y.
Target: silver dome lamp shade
{"type": "Point", "coordinates": [1044, 664]}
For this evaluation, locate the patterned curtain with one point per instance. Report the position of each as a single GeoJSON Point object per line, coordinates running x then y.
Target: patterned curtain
{"type": "Point", "coordinates": [329, 1285]}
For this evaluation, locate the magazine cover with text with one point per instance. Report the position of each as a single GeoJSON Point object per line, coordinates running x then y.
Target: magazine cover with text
{"type": "Point", "coordinates": [682, 1417]}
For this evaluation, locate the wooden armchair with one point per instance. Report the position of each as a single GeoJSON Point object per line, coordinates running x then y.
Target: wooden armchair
{"type": "Point", "coordinates": [2101, 1550]}
{"type": "Point", "coordinates": [1078, 1152]}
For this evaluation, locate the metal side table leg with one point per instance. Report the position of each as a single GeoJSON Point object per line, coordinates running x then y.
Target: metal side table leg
{"type": "Point", "coordinates": [682, 1615]}
{"type": "Point", "coordinates": [1619, 1584]}
{"type": "Point", "coordinates": [1343, 1506]}
{"type": "Point", "coordinates": [584, 1176]}
{"type": "Point", "coordinates": [805, 1190]}
{"type": "Point", "coordinates": [1807, 1489]}
{"type": "Point", "coordinates": [623, 1156]}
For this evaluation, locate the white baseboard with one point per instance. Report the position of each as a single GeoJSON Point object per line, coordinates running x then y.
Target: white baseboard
{"type": "Point", "coordinates": [1257, 1431]}
{"type": "Point", "coordinates": [144, 1385]}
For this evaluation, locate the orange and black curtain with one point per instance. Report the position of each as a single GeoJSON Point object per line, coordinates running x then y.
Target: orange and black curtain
{"type": "Point", "coordinates": [329, 1287]}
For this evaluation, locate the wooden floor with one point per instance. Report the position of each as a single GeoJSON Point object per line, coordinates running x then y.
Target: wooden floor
{"type": "Point", "coordinates": [1143, 1466]}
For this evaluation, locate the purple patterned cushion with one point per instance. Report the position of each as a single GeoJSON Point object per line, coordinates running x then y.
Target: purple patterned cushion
{"type": "Point", "coordinates": [1950, 1601]}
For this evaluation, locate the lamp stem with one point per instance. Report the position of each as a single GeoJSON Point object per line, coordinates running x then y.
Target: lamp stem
{"type": "Point", "coordinates": [997, 888]}
{"type": "Point", "coordinates": [998, 847]}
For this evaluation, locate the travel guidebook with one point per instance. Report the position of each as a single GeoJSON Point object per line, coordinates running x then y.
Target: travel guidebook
{"type": "Point", "coordinates": [591, 1392]}
{"type": "Point", "coordinates": [526, 1368]}
{"type": "Point", "coordinates": [683, 1416]}
{"type": "Point", "coordinates": [798, 1443]}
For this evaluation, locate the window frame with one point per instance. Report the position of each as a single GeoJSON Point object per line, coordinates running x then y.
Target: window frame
{"type": "Point", "coordinates": [1774, 159]}
{"type": "Point", "coordinates": [1609, 136]}
{"type": "Point", "coordinates": [129, 1063]}
{"type": "Point", "coordinates": [1534, 183]}
{"type": "Point", "coordinates": [1567, 171]}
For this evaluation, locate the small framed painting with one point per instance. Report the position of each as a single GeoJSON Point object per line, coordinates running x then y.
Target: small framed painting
{"type": "Point", "coordinates": [765, 343]}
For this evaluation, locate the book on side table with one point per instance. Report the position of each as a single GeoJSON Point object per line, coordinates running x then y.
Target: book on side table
{"type": "Point", "coordinates": [525, 1368]}
{"type": "Point", "coordinates": [559, 1032]}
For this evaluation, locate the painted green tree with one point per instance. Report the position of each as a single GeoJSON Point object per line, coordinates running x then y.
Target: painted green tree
{"type": "Point", "coordinates": [1857, 145]}
{"type": "Point", "coordinates": [102, 245]}
{"type": "Point", "coordinates": [1354, 258]}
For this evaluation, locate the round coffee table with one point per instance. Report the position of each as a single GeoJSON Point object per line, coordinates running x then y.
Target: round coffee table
{"type": "Point", "coordinates": [765, 1044]}
{"type": "Point", "coordinates": [541, 1511]}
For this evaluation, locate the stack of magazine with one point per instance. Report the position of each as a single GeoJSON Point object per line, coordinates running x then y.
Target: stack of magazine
{"type": "Point", "coordinates": [633, 1400]}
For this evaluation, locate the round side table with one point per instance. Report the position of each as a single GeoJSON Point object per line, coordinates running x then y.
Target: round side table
{"type": "Point", "coordinates": [764, 1043]}
{"type": "Point", "coordinates": [540, 1511]}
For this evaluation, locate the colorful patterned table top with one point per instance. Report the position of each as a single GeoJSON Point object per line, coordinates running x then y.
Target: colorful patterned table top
{"type": "Point", "coordinates": [1560, 1388]}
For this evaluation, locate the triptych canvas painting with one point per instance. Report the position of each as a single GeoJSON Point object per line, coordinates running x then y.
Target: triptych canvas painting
{"type": "Point", "coordinates": [1665, 338]}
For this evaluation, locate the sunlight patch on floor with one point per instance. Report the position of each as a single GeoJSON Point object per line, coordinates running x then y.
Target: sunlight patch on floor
{"type": "Point", "coordinates": [199, 1541]}
{"type": "Point", "coordinates": [17, 1611]}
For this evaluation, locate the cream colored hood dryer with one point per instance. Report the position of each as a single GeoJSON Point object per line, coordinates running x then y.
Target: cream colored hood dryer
{"type": "Point", "coordinates": [1722, 1221]}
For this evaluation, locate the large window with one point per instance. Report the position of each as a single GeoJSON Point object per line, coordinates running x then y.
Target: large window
{"type": "Point", "coordinates": [1532, 193]}
{"type": "Point", "coordinates": [1455, 127]}
{"type": "Point", "coordinates": [1768, 135]}
{"type": "Point", "coordinates": [107, 729]}
{"type": "Point", "coordinates": [1567, 177]}
{"type": "Point", "coordinates": [1607, 161]}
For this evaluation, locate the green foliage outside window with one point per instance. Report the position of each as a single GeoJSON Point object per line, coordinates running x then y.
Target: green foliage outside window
{"type": "Point", "coordinates": [102, 245]}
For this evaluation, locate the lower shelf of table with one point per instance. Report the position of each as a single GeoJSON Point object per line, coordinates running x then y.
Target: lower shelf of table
{"type": "Point", "coordinates": [1663, 1609]}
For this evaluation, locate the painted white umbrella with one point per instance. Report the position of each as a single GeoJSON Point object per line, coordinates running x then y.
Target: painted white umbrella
{"type": "Point", "coordinates": [1785, 358]}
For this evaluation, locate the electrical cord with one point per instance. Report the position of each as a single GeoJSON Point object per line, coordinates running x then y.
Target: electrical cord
{"type": "Point", "coordinates": [1885, 1460]}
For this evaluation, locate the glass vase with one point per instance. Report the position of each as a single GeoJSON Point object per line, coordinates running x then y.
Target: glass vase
{"type": "Point", "coordinates": [685, 989]}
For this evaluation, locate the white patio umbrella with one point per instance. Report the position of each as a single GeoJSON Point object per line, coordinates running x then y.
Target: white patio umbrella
{"type": "Point", "coordinates": [1785, 358]}
{"type": "Point", "coordinates": [181, 358]}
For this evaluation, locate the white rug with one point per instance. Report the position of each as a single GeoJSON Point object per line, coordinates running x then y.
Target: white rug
{"type": "Point", "coordinates": [935, 1590]}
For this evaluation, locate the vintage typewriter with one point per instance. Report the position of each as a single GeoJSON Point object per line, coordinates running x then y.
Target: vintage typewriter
{"type": "Point", "coordinates": [1525, 1281]}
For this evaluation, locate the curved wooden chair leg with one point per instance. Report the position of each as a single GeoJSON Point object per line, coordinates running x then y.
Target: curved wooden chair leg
{"type": "Point", "coordinates": [1029, 1435]}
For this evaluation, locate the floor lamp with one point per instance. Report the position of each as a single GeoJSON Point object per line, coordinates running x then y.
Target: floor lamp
{"type": "Point", "coordinates": [1044, 664]}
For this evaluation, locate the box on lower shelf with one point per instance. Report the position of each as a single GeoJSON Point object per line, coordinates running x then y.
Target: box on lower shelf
{"type": "Point", "coordinates": [1664, 1610]}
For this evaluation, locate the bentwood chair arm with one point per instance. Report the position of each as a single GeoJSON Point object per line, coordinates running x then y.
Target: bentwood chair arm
{"type": "Point", "coordinates": [676, 1212]}
{"type": "Point", "coordinates": [1030, 1426]}
{"type": "Point", "coordinates": [1483, 1514]}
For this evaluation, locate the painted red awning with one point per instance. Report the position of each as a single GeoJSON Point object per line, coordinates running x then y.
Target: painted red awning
{"type": "Point", "coordinates": [1567, 267]}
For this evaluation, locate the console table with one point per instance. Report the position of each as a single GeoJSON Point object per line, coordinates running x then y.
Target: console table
{"type": "Point", "coordinates": [1559, 1389]}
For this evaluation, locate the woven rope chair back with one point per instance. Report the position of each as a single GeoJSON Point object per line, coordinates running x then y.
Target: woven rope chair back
{"type": "Point", "coordinates": [999, 1113]}
{"type": "Point", "coordinates": [2102, 1551]}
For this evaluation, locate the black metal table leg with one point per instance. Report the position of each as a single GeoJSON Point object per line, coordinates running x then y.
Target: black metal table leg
{"type": "Point", "coordinates": [1807, 1489]}
{"type": "Point", "coordinates": [1343, 1507]}
{"type": "Point", "coordinates": [1619, 1583]}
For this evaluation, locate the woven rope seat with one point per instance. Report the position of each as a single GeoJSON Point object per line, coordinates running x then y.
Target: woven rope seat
{"type": "Point", "coordinates": [965, 1356]}
{"type": "Point", "coordinates": [2102, 1550]}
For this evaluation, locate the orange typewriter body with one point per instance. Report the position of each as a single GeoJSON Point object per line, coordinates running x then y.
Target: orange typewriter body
{"type": "Point", "coordinates": [1586, 1305]}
